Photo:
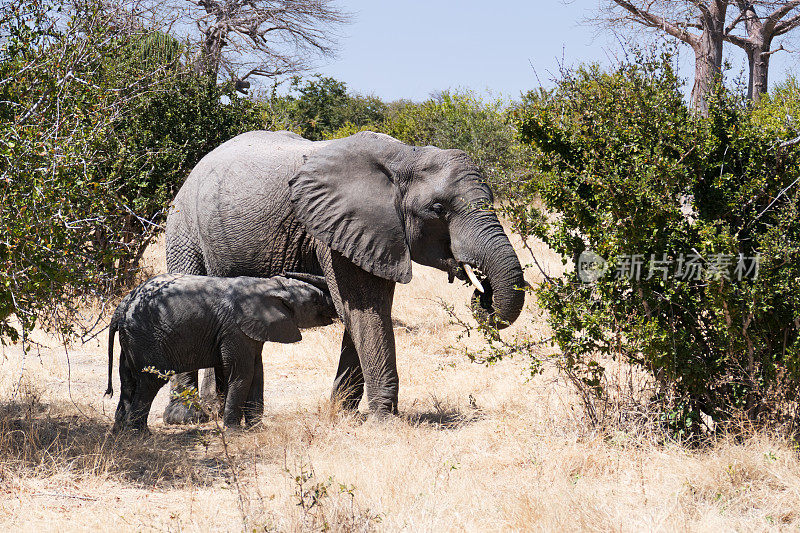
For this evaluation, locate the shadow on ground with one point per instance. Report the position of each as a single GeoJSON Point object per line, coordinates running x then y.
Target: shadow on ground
{"type": "Point", "coordinates": [43, 440]}
{"type": "Point", "coordinates": [443, 419]}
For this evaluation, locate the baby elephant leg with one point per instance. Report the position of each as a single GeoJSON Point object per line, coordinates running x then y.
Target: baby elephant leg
{"type": "Point", "coordinates": [238, 360]}
{"type": "Point", "coordinates": [147, 386]}
{"type": "Point", "coordinates": [254, 406]}
{"type": "Point", "coordinates": [127, 391]}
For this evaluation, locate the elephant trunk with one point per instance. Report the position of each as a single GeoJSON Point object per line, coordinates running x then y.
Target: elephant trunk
{"type": "Point", "coordinates": [480, 241]}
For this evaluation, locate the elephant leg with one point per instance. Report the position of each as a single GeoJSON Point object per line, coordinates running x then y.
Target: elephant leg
{"type": "Point", "coordinates": [239, 366]}
{"type": "Point", "coordinates": [365, 303]}
{"type": "Point", "coordinates": [348, 387]}
{"type": "Point", "coordinates": [184, 256]}
{"type": "Point", "coordinates": [147, 386]}
{"type": "Point", "coordinates": [208, 383]}
{"type": "Point", "coordinates": [254, 405]}
{"type": "Point", "coordinates": [126, 394]}
{"type": "Point", "coordinates": [221, 389]}
{"type": "Point", "coordinates": [209, 390]}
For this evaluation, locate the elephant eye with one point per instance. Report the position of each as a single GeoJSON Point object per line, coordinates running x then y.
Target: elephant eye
{"type": "Point", "coordinates": [438, 209]}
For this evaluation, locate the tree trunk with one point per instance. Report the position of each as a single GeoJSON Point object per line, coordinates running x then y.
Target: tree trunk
{"type": "Point", "coordinates": [756, 46]}
{"type": "Point", "coordinates": [707, 45]}
{"type": "Point", "coordinates": [211, 53]}
{"type": "Point", "coordinates": [707, 68]}
{"type": "Point", "coordinates": [760, 33]}
{"type": "Point", "coordinates": [758, 59]}
{"type": "Point", "coordinates": [708, 55]}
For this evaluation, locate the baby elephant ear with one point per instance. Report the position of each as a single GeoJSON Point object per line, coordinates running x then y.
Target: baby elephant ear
{"type": "Point", "coordinates": [347, 196]}
{"type": "Point", "coordinates": [266, 319]}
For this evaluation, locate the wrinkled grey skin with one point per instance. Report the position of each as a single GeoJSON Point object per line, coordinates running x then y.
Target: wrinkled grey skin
{"type": "Point", "coordinates": [358, 210]}
{"type": "Point", "coordinates": [182, 323]}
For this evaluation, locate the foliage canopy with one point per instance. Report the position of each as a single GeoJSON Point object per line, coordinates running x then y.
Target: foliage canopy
{"type": "Point", "coordinates": [633, 176]}
{"type": "Point", "coordinates": [99, 127]}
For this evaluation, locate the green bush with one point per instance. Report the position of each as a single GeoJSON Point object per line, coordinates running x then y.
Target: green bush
{"type": "Point", "coordinates": [465, 122]}
{"type": "Point", "coordinates": [623, 168]}
{"type": "Point", "coordinates": [318, 108]}
{"type": "Point", "coordinates": [93, 147]}
{"type": "Point", "coordinates": [160, 138]}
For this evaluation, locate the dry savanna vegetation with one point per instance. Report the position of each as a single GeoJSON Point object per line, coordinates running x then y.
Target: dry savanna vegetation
{"type": "Point", "coordinates": [479, 448]}
{"type": "Point", "coordinates": [106, 105]}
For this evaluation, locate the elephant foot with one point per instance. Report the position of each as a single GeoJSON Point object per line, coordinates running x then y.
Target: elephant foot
{"type": "Point", "coordinates": [383, 410]}
{"type": "Point", "coordinates": [179, 413]}
{"type": "Point", "coordinates": [383, 416]}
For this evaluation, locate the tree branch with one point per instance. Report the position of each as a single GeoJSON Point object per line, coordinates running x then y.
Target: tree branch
{"type": "Point", "coordinates": [706, 13]}
{"type": "Point", "coordinates": [751, 19]}
{"type": "Point", "coordinates": [68, 76]}
{"type": "Point", "coordinates": [652, 20]}
{"type": "Point", "coordinates": [787, 25]}
{"type": "Point", "coordinates": [791, 142]}
{"type": "Point", "coordinates": [782, 11]}
{"type": "Point", "coordinates": [741, 42]}
{"type": "Point", "coordinates": [767, 54]}
{"type": "Point", "coordinates": [263, 33]}
{"type": "Point", "coordinates": [736, 21]}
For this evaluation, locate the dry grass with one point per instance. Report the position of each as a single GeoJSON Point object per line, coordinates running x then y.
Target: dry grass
{"type": "Point", "coordinates": [476, 448]}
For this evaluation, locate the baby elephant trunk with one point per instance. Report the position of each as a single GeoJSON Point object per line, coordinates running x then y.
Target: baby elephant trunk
{"type": "Point", "coordinates": [320, 310]}
{"type": "Point", "coordinates": [312, 279]}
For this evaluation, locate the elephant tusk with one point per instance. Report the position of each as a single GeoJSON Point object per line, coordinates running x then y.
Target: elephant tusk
{"type": "Point", "coordinates": [473, 278]}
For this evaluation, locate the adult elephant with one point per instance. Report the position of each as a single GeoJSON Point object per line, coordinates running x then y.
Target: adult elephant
{"type": "Point", "coordinates": [357, 210]}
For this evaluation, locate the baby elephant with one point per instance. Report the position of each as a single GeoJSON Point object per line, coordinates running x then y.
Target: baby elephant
{"type": "Point", "coordinates": [180, 323]}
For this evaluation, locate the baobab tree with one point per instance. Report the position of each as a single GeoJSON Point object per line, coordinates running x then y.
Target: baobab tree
{"type": "Point", "coordinates": [263, 37]}
{"type": "Point", "coordinates": [238, 39]}
{"type": "Point", "coordinates": [763, 21]}
{"type": "Point", "coordinates": [697, 23]}
{"type": "Point", "coordinates": [705, 25]}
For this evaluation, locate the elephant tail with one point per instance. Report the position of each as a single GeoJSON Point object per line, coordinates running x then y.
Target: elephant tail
{"type": "Point", "coordinates": [112, 330]}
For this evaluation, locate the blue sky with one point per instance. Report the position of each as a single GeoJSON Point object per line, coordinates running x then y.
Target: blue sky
{"type": "Point", "coordinates": [411, 48]}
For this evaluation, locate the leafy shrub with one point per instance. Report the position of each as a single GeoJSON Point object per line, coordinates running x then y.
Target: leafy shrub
{"type": "Point", "coordinates": [628, 173]}
{"type": "Point", "coordinates": [465, 122]}
{"type": "Point", "coordinates": [317, 108]}
{"type": "Point", "coordinates": [99, 128]}
{"type": "Point", "coordinates": [159, 140]}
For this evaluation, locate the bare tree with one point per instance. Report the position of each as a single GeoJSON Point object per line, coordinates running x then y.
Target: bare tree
{"type": "Point", "coordinates": [706, 25]}
{"type": "Point", "coordinates": [246, 38]}
{"type": "Point", "coordinates": [698, 23]}
{"type": "Point", "coordinates": [783, 17]}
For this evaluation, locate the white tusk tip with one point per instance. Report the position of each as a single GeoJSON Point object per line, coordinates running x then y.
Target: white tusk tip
{"type": "Point", "coordinates": [473, 278]}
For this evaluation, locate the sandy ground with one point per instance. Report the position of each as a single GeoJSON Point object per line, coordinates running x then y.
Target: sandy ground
{"type": "Point", "coordinates": [477, 448]}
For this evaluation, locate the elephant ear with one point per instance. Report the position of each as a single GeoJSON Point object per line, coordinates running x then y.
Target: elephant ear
{"type": "Point", "coordinates": [347, 196]}
{"type": "Point", "coordinates": [266, 318]}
